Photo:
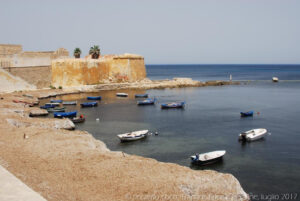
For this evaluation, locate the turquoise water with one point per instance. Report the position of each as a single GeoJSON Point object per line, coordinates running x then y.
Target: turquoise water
{"type": "Point", "coordinates": [210, 122]}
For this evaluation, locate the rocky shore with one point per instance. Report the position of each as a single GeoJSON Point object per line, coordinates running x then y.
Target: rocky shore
{"type": "Point", "coordinates": [71, 165]}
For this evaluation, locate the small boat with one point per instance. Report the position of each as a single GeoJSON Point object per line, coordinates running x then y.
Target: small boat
{"type": "Point", "coordinates": [141, 95]}
{"type": "Point", "coordinates": [121, 94]}
{"type": "Point", "coordinates": [94, 97]}
{"type": "Point", "coordinates": [254, 134]}
{"type": "Point", "coordinates": [247, 114]}
{"type": "Point", "coordinates": [89, 104]}
{"type": "Point", "coordinates": [53, 104]}
{"type": "Point", "coordinates": [65, 114]}
{"type": "Point", "coordinates": [56, 109]}
{"type": "Point", "coordinates": [208, 158]}
{"type": "Point", "coordinates": [173, 105]}
{"type": "Point", "coordinates": [56, 101]}
{"type": "Point", "coordinates": [275, 79]}
{"type": "Point", "coordinates": [136, 135]}
{"type": "Point", "coordinates": [148, 101]}
{"type": "Point", "coordinates": [69, 103]}
{"type": "Point", "coordinates": [80, 119]}
{"type": "Point", "coordinates": [47, 106]}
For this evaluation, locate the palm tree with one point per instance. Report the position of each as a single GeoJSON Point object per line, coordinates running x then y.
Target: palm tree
{"type": "Point", "coordinates": [95, 52]}
{"type": "Point", "coordinates": [77, 52]}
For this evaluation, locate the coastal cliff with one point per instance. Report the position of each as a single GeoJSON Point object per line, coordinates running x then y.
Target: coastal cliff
{"type": "Point", "coordinates": [107, 69]}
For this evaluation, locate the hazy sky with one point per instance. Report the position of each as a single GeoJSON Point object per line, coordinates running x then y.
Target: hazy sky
{"type": "Point", "coordinates": [199, 32]}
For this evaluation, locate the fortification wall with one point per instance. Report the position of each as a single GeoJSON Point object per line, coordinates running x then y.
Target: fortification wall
{"type": "Point", "coordinates": [7, 49]}
{"type": "Point", "coordinates": [76, 72]}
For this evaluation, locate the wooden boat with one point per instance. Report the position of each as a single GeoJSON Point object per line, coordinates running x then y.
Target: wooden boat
{"type": "Point", "coordinates": [148, 101]}
{"type": "Point", "coordinates": [208, 158]}
{"type": "Point", "coordinates": [56, 109]}
{"type": "Point", "coordinates": [247, 114]}
{"type": "Point", "coordinates": [65, 114]}
{"type": "Point", "coordinates": [136, 135]}
{"type": "Point", "coordinates": [275, 79]}
{"type": "Point", "coordinates": [78, 119]}
{"type": "Point", "coordinates": [173, 105]}
{"type": "Point", "coordinates": [89, 104]}
{"type": "Point", "coordinates": [69, 103]}
{"type": "Point", "coordinates": [94, 97]}
{"type": "Point", "coordinates": [252, 135]}
{"type": "Point", "coordinates": [53, 104]}
{"type": "Point", "coordinates": [121, 94]}
{"type": "Point", "coordinates": [141, 95]}
{"type": "Point", "coordinates": [47, 106]}
{"type": "Point", "coordinates": [56, 101]}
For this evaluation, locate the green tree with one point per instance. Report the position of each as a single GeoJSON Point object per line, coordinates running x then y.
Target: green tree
{"type": "Point", "coordinates": [95, 52]}
{"type": "Point", "coordinates": [77, 52]}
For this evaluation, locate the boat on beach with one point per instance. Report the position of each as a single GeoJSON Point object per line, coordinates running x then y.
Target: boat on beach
{"type": "Point", "coordinates": [252, 135]}
{"type": "Point", "coordinates": [121, 94]}
{"type": "Point", "coordinates": [69, 103]}
{"type": "Point", "coordinates": [275, 79]}
{"type": "Point", "coordinates": [89, 104]}
{"type": "Point", "coordinates": [173, 105]}
{"type": "Point", "coordinates": [247, 114]}
{"type": "Point", "coordinates": [56, 109]}
{"type": "Point", "coordinates": [47, 106]}
{"type": "Point", "coordinates": [65, 114]}
{"type": "Point", "coordinates": [56, 101]}
{"type": "Point", "coordinates": [141, 95]}
{"type": "Point", "coordinates": [133, 136]}
{"type": "Point", "coordinates": [208, 158]}
{"type": "Point", "coordinates": [52, 104]}
{"type": "Point", "coordinates": [148, 101]}
{"type": "Point", "coordinates": [94, 98]}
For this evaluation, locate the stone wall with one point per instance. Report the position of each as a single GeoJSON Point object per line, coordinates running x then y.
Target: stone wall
{"type": "Point", "coordinates": [111, 69]}
{"type": "Point", "coordinates": [7, 49]}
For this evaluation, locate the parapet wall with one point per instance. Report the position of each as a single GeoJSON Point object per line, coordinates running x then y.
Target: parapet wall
{"type": "Point", "coordinates": [112, 69]}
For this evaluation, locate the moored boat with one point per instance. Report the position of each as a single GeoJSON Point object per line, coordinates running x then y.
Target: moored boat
{"type": "Point", "coordinates": [94, 97]}
{"type": "Point", "coordinates": [254, 134]}
{"type": "Point", "coordinates": [173, 105]}
{"type": "Point", "coordinates": [141, 95]}
{"type": "Point", "coordinates": [121, 94]}
{"type": "Point", "coordinates": [52, 104]}
{"type": "Point", "coordinates": [47, 106]}
{"type": "Point", "coordinates": [136, 135]}
{"type": "Point", "coordinates": [89, 104]}
{"type": "Point", "coordinates": [275, 79]}
{"type": "Point", "coordinates": [65, 114]}
{"type": "Point", "coordinates": [56, 109]}
{"type": "Point", "coordinates": [56, 101]}
{"type": "Point", "coordinates": [247, 114]}
{"type": "Point", "coordinates": [79, 119]}
{"type": "Point", "coordinates": [148, 101]}
{"type": "Point", "coordinates": [69, 103]}
{"type": "Point", "coordinates": [208, 158]}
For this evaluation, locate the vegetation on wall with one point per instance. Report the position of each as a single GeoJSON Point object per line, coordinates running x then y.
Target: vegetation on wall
{"type": "Point", "coordinates": [95, 52]}
{"type": "Point", "coordinates": [77, 52]}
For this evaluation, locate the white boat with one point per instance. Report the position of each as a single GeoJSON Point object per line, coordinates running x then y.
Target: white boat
{"type": "Point", "coordinates": [253, 134]}
{"type": "Point", "coordinates": [69, 103]}
{"type": "Point", "coordinates": [122, 94]}
{"type": "Point", "coordinates": [136, 135]}
{"type": "Point", "coordinates": [54, 104]}
{"type": "Point", "coordinates": [275, 79]}
{"type": "Point", "coordinates": [208, 158]}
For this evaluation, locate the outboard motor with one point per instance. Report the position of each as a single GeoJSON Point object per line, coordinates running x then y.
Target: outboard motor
{"type": "Point", "coordinates": [244, 137]}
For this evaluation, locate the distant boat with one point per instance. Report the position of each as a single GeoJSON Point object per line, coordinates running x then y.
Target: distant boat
{"type": "Point", "coordinates": [56, 109]}
{"type": "Point", "coordinates": [275, 79]}
{"type": "Point", "coordinates": [148, 101]}
{"type": "Point", "coordinates": [78, 119]}
{"type": "Point", "coordinates": [141, 95]}
{"type": "Point", "coordinates": [69, 103]}
{"type": "Point", "coordinates": [47, 106]}
{"type": "Point", "coordinates": [208, 158]}
{"type": "Point", "coordinates": [65, 114]}
{"type": "Point", "coordinates": [94, 97]}
{"type": "Point", "coordinates": [56, 101]}
{"type": "Point", "coordinates": [173, 105]}
{"type": "Point", "coordinates": [136, 135]}
{"type": "Point", "coordinates": [122, 94]}
{"type": "Point", "coordinates": [52, 104]}
{"type": "Point", "coordinates": [254, 134]}
{"type": "Point", "coordinates": [89, 104]}
{"type": "Point", "coordinates": [247, 114]}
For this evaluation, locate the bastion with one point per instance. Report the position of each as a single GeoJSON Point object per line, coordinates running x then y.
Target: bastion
{"type": "Point", "coordinates": [70, 72]}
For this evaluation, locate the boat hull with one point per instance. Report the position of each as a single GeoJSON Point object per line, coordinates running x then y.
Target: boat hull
{"type": "Point", "coordinates": [121, 94]}
{"type": "Point", "coordinates": [94, 98]}
{"type": "Point", "coordinates": [172, 105]}
{"type": "Point", "coordinates": [91, 104]}
{"type": "Point", "coordinates": [132, 139]}
{"type": "Point", "coordinates": [70, 103]}
{"type": "Point", "coordinates": [141, 95]}
{"type": "Point", "coordinates": [78, 120]}
{"type": "Point", "coordinates": [65, 114]}
{"type": "Point", "coordinates": [247, 114]}
{"type": "Point", "coordinates": [253, 135]}
{"type": "Point", "coordinates": [208, 158]}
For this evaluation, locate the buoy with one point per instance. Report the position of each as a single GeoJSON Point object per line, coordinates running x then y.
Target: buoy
{"type": "Point", "coordinates": [156, 133]}
{"type": "Point", "coordinates": [97, 119]}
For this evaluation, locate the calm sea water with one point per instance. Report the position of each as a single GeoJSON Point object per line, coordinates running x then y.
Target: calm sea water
{"type": "Point", "coordinates": [211, 121]}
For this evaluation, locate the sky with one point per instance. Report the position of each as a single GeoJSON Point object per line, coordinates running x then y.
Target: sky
{"type": "Point", "coordinates": [164, 32]}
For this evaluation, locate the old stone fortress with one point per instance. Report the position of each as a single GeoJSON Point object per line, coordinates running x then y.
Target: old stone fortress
{"type": "Point", "coordinates": [57, 68]}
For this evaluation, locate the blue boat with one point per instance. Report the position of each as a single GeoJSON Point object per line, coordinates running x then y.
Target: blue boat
{"type": "Point", "coordinates": [89, 104]}
{"type": "Point", "coordinates": [47, 106]}
{"type": "Point", "coordinates": [55, 101]}
{"type": "Point", "coordinates": [173, 105]}
{"type": "Point", "coordinates": [94, 97]}
{"type": "Point", "coordinates": [247, 114]}
{"type": "Point", "coordinates": [65, 114]}
{"type": "Point", "coordinates": [141, 95]}
{"type": "Point", "coordinates": [148, 101]}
